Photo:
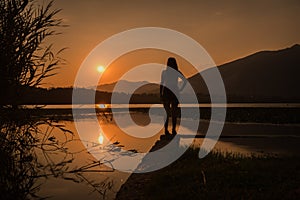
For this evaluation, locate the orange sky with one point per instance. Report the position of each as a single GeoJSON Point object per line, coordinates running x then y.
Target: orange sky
{"type": "Point", "coordinates": [226, 29]}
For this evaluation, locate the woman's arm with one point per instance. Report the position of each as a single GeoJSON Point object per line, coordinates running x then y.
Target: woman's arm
{"type": "Point", "coordinates": [161, 88]}
{"type": "Point", "coordinates": [162, 81]}
{"type": "Point", "coordinates": [181, 76]}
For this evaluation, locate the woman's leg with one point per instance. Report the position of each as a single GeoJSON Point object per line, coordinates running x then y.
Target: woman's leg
{"type": "Point", "coordinates": [167, 109]}
{"type": "Point", "coordinates": [174, 116]}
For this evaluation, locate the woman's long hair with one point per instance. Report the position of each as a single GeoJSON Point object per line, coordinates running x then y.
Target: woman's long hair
{"type": "Point", "coordinates": [172, 63]}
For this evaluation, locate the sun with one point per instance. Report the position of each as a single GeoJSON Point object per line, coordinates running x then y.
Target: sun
{"type": "Point", "coordinates": [100, 139]}
{"type": "Point", "coordinates": [100, 69]}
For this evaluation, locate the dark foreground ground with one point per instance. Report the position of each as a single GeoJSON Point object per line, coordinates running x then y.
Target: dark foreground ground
{"type": "Point", "coordinates": [218, 176]}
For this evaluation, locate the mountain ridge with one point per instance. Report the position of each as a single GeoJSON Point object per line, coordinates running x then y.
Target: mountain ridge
{"type": "Point", "coordinates": [264, 74]}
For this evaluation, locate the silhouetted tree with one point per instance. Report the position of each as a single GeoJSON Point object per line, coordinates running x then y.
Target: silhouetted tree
{"type": "Point", "coordinates": [24, 60]}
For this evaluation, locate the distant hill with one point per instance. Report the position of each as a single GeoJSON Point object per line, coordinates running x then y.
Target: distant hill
{"type": "Point", "coordinates": [266, 76]}
{"type": "Point", "coordinates": [263, 76]}
{"type": "Point", "coordinates": [124, 86]}
{"type": "Point", "coordinates": [43, 96]}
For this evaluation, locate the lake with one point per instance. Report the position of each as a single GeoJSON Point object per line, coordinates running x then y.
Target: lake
{"type": "Point", "coordinates": [246, 138]}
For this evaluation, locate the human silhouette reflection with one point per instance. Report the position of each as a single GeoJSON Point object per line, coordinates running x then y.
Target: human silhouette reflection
{"type": "Point", "coordinates": [169, 92]}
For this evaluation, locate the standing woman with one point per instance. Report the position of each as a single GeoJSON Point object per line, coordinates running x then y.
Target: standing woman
{"type": "Point", "coordinates": [169, 92]}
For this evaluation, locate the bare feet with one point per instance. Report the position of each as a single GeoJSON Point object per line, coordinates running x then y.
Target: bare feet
{"type": "Point", "coordinates": [174, 132]}
{"type": "Point", "coordinates": [167, 133]}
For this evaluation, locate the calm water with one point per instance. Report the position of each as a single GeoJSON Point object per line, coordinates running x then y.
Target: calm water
{"type": "Point", "coordinates": [244, 138]}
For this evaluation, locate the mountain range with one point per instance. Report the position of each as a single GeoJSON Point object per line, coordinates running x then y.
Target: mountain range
{"type": "Point", "coordinates": [124, 85]}
{"type": "Point", "coordinates": [262, 76]}
{"type": "Point", "coordinates": [266, 76]}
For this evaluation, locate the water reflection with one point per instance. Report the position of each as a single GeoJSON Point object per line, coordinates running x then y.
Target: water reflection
{"type": "Point", "coordinates": [41, 157]}
{"type": "Point", "coordinates": [245, 138]}
{"type": "Point", "coordinates": [117, 141]}
{"type": "Point", "coordinates": [36, 150]}
{"type": "Point", "coordinates": [101, 106]}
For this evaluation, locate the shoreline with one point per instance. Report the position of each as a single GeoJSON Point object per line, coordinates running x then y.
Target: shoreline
{"type": "Point", "coordinates": [260, 115]}
{"type": "Point", "coordinates": [172, 181]}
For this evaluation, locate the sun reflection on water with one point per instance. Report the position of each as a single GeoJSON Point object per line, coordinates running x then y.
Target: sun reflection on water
{"type": "Point", "coordinates": [101, 106]}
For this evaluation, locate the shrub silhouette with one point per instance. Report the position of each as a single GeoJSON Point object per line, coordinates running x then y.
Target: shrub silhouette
{"type": "Point", "coordinates": [24, 58]}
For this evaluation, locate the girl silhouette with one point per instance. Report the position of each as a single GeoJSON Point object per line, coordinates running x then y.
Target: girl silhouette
{"type": "Point", "coordinates": [169, 92]}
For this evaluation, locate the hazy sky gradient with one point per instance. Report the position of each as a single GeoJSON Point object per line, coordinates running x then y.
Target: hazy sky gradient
{"type": "Point", "coordinates": [226, 29]}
